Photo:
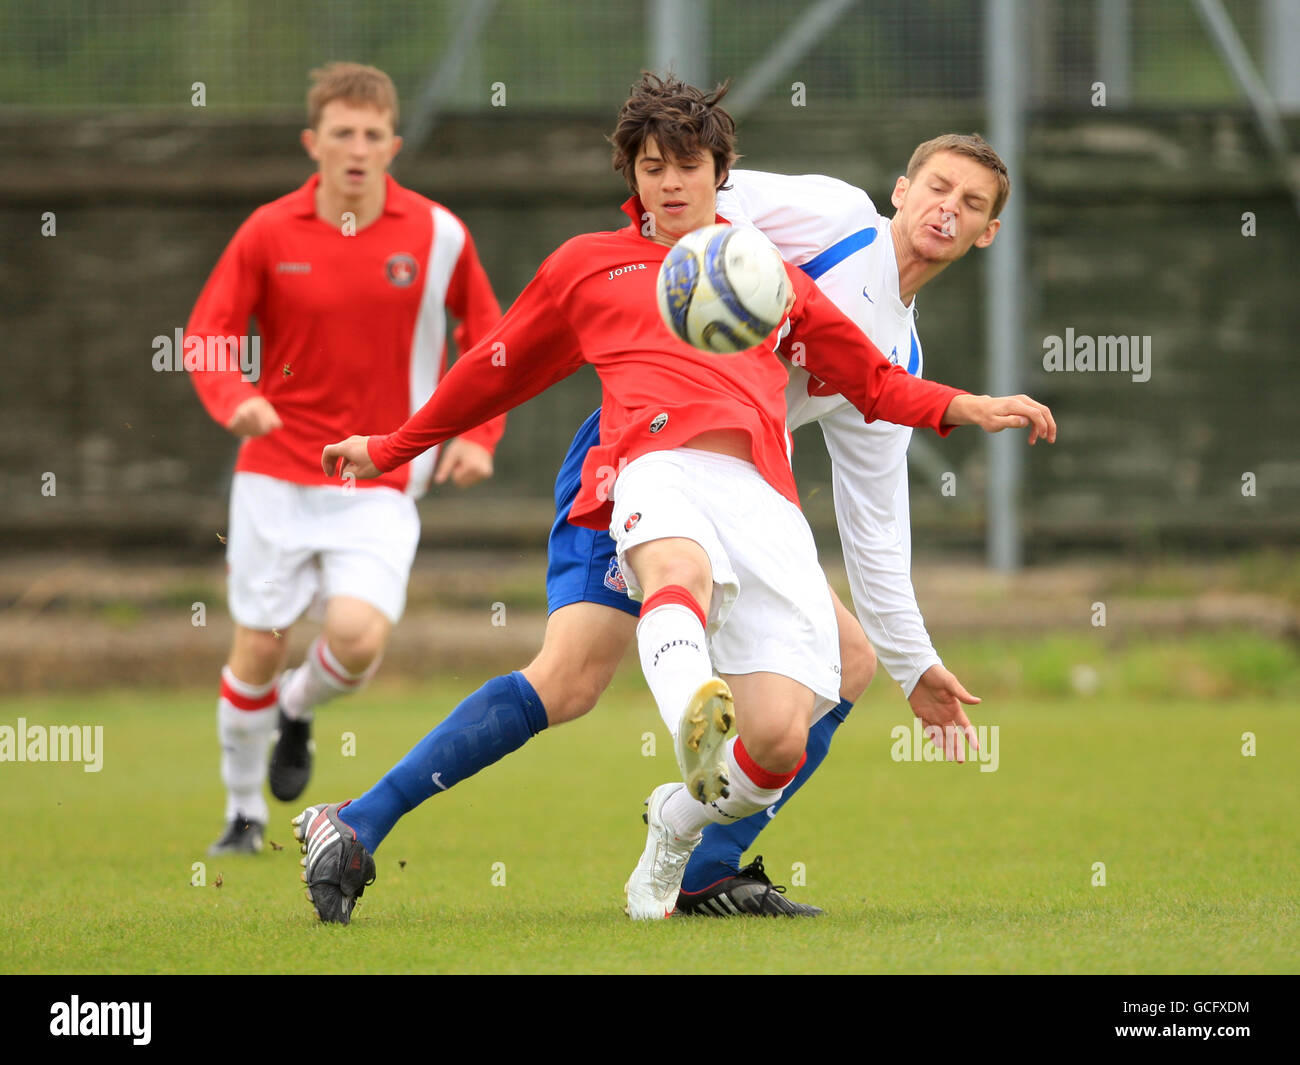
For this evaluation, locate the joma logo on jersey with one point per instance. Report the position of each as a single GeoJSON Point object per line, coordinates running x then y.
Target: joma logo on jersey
{"type": "Point", "coordinates": [401, 269]}
{"type": "Point", "coordinates": [625, 270]}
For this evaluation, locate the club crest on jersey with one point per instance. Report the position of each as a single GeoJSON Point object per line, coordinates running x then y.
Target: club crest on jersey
{"type": "Point", "coordinates": [614, 580]}
{"type": "Point", "coordinates": [401, 269]}
{"type": "Point", "coordinates": [660, 421]}
{"type": "Point", "coordinates": [630, 524]}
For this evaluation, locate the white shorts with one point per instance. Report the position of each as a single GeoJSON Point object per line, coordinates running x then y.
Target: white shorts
{"type": "Point", "coordinates": [291, 544]}
{"type": "Point", "coordinates": [771, 609]}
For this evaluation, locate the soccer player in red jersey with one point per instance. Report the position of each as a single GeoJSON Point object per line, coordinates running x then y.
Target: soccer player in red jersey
{"type": "Point", "coordinates": [691, 477]}
{"type": "Point", "coordinates": [348, 278]}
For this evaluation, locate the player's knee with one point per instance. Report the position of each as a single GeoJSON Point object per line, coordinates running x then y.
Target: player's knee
{"type": "Point", "coordinates": [256, 657]}
{"type": "Point", "coordinates": [686, 572]}
{"type": "Point", "coordinates": [356, 632]}
{"type": "Point", "coordinates": [566, 694]}
{"type": "Point", "coordinates": [779, 751]}
{"type": "Point", "coordinates": [572, 701]}
{"type": "Point", "coordinates": [857, 665]}
{"type": "Point", "coordinates": [357, 648]}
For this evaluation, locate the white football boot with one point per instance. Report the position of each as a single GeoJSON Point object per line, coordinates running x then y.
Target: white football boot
{"type": "Point", "coordinates": [653, 886]}
{"type": "Point", "coordinates": [701, 733]}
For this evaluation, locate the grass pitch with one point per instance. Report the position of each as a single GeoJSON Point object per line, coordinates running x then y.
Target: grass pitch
{"type": "Point", "coordinates": [922, 866]}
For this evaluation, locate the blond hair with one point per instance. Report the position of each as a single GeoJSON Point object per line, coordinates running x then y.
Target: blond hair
{"type": "Point", "coordinates": [353, 83]}
{"type": "Point", "coordinates": [973, 146]}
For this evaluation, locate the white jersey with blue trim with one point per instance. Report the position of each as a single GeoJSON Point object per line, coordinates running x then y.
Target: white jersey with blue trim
{"type": "Point", "coordinates": [834, 233]}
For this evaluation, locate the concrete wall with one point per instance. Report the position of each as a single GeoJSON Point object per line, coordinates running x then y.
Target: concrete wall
{"type": "Point", "coordinates": [1135, 228]}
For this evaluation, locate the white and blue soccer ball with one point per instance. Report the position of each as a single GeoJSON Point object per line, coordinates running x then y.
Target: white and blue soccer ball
{"type": "Point", "coordinates": [723, 289]}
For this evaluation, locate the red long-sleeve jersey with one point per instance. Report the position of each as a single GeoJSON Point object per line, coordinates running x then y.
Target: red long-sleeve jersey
{"type": "Point", "coordinates": [593, 301]}
{"type": "Point", "coordinates": [353, 329]}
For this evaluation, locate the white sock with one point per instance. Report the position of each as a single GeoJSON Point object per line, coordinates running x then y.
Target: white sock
{"type": "Point", "coordinates": [674, 658]}
{"type": "Point", "coordinates": [687, 816]}
{"type": "Point", "coordinates": [320, 678]}
{"type": "Point", "coordinates": [246, 720]}
{"type": "Point", "coordinates": [683, 815]}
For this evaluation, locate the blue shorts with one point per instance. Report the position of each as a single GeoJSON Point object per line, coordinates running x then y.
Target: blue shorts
{"type": "Point", "coordinates": [581, 564]}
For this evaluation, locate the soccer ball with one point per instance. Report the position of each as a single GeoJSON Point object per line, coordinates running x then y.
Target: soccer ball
{"type": "Point", "coordinates": [723, 289]}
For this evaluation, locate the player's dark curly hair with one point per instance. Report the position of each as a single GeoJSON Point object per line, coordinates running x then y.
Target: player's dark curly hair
{"type": "Point", "coordinates": [682, 119]}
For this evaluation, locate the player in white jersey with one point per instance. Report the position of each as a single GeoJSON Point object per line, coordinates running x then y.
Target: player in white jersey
{"type": "Point", "coordinates": [833, 232]}
{"type": "Point", "coordinates": [872, 267]}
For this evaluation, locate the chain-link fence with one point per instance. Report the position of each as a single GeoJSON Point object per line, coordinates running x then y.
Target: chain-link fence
{"type": "Point", "coordinates": [252, 56]}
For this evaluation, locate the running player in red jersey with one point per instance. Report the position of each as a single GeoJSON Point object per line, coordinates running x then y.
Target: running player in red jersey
{"type": "Point", "coordinates": [691, 477]}
{"type": "Point", "coordinates": [348, 278]}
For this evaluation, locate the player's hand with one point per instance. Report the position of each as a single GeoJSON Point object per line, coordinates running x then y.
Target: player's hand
{"type": "Point", "coordinates": [353, 457]}
{"type": "Point", "coordinates": [995, 413]}
{"type": "Point", "coordinates": [937, 700]}
{"type": "Point", "coordinates": [464, 463]}
{"type": "Point", "coordinates": [254, 417]}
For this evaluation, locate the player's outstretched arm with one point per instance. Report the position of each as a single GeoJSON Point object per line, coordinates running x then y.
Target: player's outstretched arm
{"type": "Point", "coordinates": [995, 413]}
{"type": "Point", "coordinates": [529, 350]}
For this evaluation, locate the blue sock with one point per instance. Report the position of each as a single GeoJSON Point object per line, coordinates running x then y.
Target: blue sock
{"type": "Point", "coordinates": [718, 853]}
{"type": "Point", "coordinates": [499, 718]}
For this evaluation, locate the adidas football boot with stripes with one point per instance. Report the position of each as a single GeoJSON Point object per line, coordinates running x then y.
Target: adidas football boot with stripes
{"type": "Point", "coordinates": [749, 892]}
{"type": "Point", "coordinates": [337, 868]}
{"type": "Point", "coordinates": [652, 888]}
{"type": "Point", "coordinates": [703, 729]}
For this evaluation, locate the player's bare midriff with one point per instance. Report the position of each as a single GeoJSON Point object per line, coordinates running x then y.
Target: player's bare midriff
{"type": "Point", "coordinates": [733, 442]}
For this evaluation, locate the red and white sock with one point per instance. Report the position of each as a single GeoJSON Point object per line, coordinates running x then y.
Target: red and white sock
{"type": "Point", "coordinates": [674, 653]}
{"type": "Point", "coordinates": [752, 788]}
{"type": "Point", "coordinates": [246, 720]}
{"type": "Point", "coordinates": [320, 678]}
